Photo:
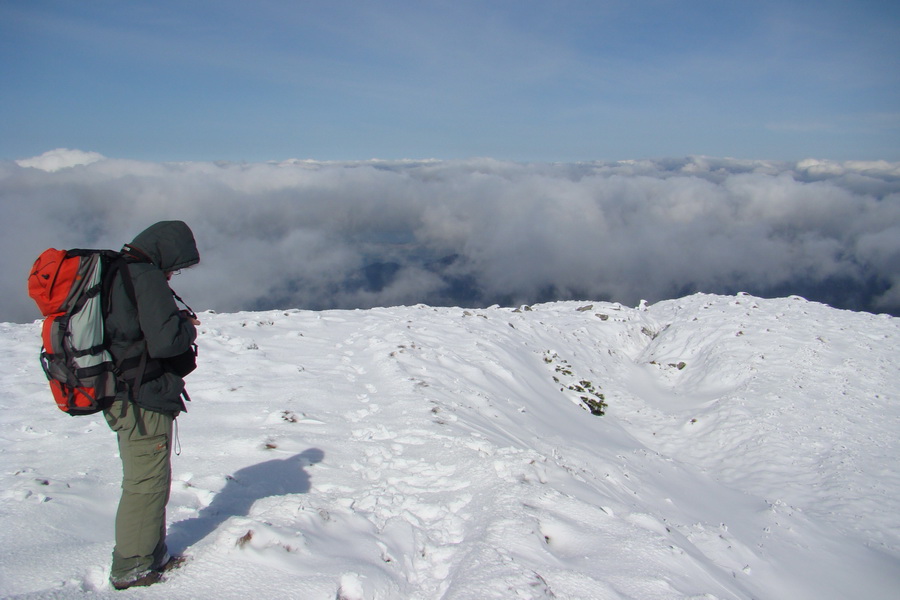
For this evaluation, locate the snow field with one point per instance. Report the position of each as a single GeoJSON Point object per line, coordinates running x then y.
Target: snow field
{"type": "Point", "coordinates": [748, 451]}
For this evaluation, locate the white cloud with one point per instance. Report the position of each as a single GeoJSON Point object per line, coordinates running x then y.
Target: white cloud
{"type": "Point", "coordinates": [358, 234]}
{"type": "Point", "coordinates": [61, 158]}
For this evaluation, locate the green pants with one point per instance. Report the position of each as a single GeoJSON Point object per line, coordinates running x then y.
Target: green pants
{"type": "Point", "coordinates": [144, 447]}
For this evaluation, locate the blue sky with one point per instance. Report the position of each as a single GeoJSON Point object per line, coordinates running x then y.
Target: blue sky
{"type": "Point", "coordinates": [516, 80]}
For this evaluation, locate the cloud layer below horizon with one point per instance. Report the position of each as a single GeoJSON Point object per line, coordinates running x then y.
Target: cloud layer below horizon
{"type": "Point", "coordinates": [473, 232]}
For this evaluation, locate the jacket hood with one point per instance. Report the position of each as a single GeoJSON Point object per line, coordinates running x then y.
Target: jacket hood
{"type": "Point", "coordinates": [169, 245]}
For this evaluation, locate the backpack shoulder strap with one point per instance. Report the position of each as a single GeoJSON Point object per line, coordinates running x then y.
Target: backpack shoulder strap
{"type": "Point", "coordinates": [135, 254]}
{"type": "Point", "coordinates": [118, 266]}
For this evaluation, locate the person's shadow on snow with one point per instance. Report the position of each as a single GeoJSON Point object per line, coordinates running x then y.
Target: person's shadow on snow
{"type": "Point", "coordinates": [276, 477]}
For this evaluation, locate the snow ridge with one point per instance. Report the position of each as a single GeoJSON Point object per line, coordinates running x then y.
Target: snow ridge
{"type": "Point", "coordinates": [748, 450]}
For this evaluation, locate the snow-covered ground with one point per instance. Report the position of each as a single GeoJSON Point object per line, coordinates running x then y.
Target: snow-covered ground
{"type": "Point", "coordinates": [749, 450]}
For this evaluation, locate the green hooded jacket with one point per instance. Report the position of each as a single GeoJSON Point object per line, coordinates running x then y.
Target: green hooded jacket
{"type": "Point", "coordinates": [154, 322]}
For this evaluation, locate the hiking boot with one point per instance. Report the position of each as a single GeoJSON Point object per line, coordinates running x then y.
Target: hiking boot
{"type": "Point", "coordinates": [173, 562]}
{"type": "Point", "coordinates": [144, 580]}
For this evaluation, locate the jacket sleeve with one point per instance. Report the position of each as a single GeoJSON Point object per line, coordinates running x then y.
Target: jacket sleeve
{"type": "Point", "coordinates": [167, 332]}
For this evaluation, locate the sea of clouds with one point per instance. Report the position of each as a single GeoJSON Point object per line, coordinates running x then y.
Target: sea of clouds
{"type": "Point", "coordinates": [315, 235]}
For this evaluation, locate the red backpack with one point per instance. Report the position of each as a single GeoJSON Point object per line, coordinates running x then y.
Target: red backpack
{"type": "Point", "coordinates": [70, 288]}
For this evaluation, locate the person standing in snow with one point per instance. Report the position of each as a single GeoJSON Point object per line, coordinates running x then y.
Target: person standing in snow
{"type": "Point", "coordinates": [147, 332]}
